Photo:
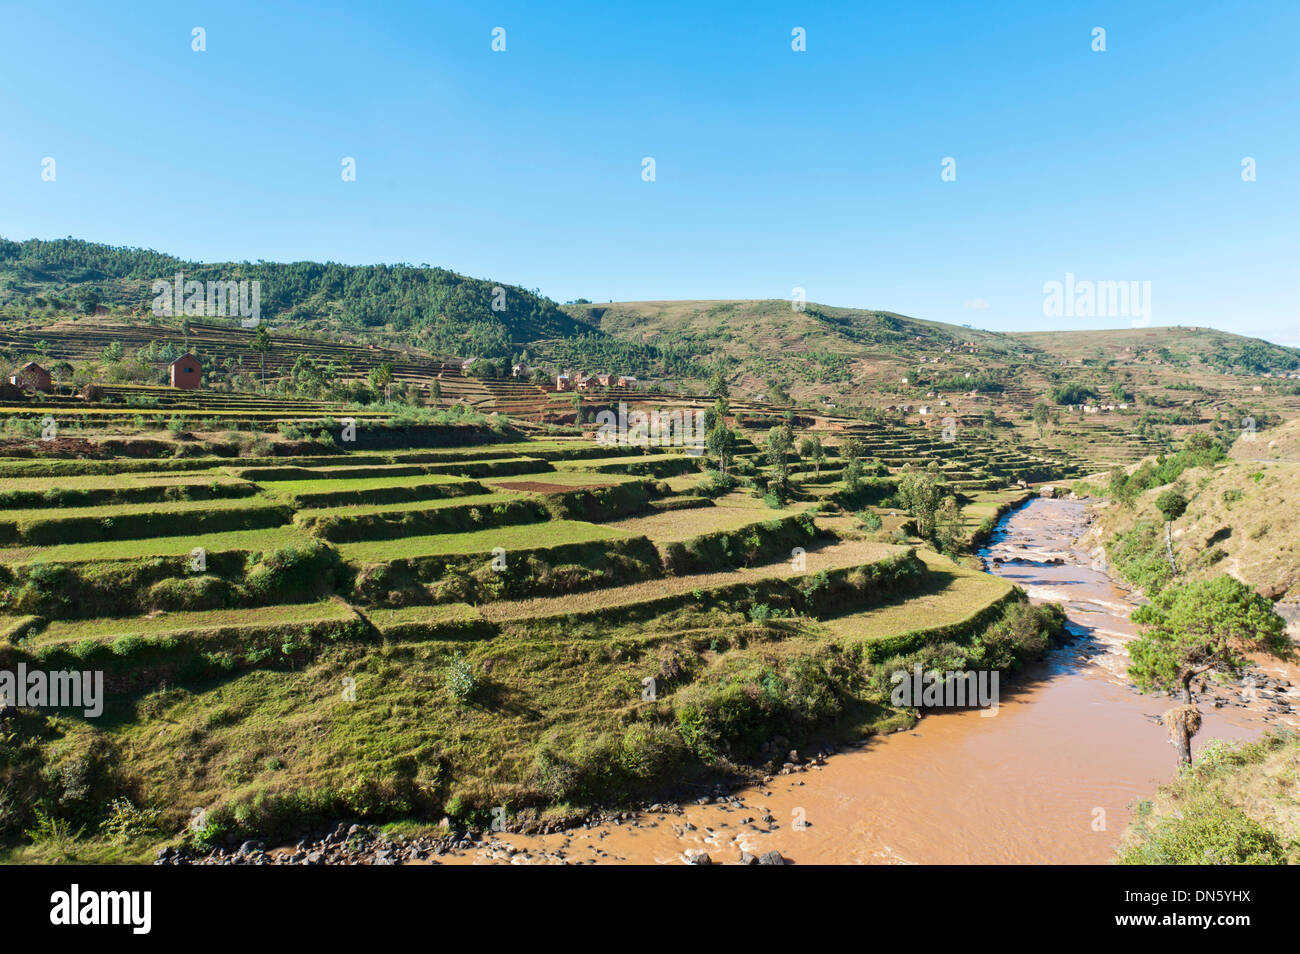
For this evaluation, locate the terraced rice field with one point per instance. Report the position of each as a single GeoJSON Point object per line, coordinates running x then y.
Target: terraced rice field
{"type": "Point", "coordinates": [677, 525]}
{"type": "Point", "coordinates": [546, 499]}
{"type": "Point", "coordinates": [174, 623]}
{"type": "Point", "coordinates": [234, 597]}
{"type": "Point", "coordinates": [531, 536]}
{"type": "Point", "coordinates": [952, 595]}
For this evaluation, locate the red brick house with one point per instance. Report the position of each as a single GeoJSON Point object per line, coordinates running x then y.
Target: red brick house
{"type": "Point", "coordinates": [186, 372]}
{"type": "Point", "coordinates": [31, 376]}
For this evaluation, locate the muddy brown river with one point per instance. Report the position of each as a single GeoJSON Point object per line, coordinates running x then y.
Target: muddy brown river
{"type": "Point", "coordinates": [1049, 779]}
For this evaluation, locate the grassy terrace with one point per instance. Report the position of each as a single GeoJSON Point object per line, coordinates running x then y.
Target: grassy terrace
{"type": "Point", "coordinates": [357, 510]}
{"type": "Point", "coordinates": [173, 623]}
{"type": "Point", "coordinates": [570, 479]}
{"type": "Point", "coordinates": [677, 525]}
{"type": "Point", "coordinates": [517, 537]}
{"type": "Point", "coordinates": [179, 507]}
{"type": "Point", "coordinates": [951, 595]}
{"type": "Point", "coordinates": [249, 541]}
{"type": "Point", "coordinates": [291, 488]}
{"type": "Point", "coordinates": [119, 481]}
{"type": "Point", "coordinates": [830, 557]}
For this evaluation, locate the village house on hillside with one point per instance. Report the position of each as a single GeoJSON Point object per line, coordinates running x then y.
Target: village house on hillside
{"type": "Point", "coordinates": [186, 372]}
{"type": "Point", "coordinates": [561, 382]}
{"type": "Point", "coordinates": [32, 377]}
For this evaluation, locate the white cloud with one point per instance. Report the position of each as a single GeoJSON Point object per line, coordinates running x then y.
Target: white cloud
{"type": "Point", "coordinates": [977, 304]}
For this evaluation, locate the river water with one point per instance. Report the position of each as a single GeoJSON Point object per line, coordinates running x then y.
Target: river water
{"type": "Point", "coordinates": [1049, 779]}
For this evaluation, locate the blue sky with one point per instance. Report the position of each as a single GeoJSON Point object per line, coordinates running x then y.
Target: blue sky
{"type": "Point", "coordinates": [775, 169]}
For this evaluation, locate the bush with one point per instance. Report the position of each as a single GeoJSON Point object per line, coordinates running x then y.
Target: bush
{"type": "Point", "coordinates": [462, 682]}
{"type": "Point", "coordinates": [869, 520]}
{"type": "Point", "coordinates": [304, 572]}
{"type": "Point", "coordinates": [126, 823]}
{"type": "Point", "coordinates": [1206, 832]}
{"type": "Point", "coordinates": [189, 593]}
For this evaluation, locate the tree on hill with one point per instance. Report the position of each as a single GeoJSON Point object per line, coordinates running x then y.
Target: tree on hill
{"type": "Point", "coordinates": [780, 442]}
{"type": "Point", "coordinates": [381, 379]}
{"type": "Point", "coordinates": [1172, 505]}
{"type": "Point", "coordinates": [1040, 418]}
{"type": "Point", "coordinates": [720, 442]}
{"type": "Point", "coordinates": [810, 448]}
{"type": "Point", "coordinates": [776, 392]}
{"type": "Point", "coordinates": [1073, 394]}
{"type": "Point", "coordinates": [949, 525]}
{"type": "Point", "coordinates": [453, 312]}
{"type": "Point", "coordinates": [851, 451]}
{"type": "Point", "coordinates": [60, 372]}
{"type": "Point", "coordinates": [718, 385]}
{"type": "Point", "coordinates": [921, 493]}
{"type": "Point", "coordinates": [1190, 629]}
{"type": "Point", "coordinates": [261, 343]}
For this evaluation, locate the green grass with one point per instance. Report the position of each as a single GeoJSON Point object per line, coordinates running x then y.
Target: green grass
{"type": "Point", "coordinates": [62, 631]}
{"type": "Point", "coordinates": [1235, 805]}
{"type": "Point", "coordinates": [179, 507]}
{"type": "Point", "coordinates": [830, 557]}
{"type": "Point", "coordinates": [101, 482]}
{"type": "Point", "coordinates": [384, 618]}
{"type": "Point", "coordinates": [517, 537]}
{"type": "Point", "coordinates": [678, 525]}
{"type": "Point", "coordinates": [271, 538]}
{"type": "Point", "coordinates": [952, 595]}
{"type": "Point", "coordinates": [358, 510]}
{"type": "Point", "coordinates": [575, 479]}
{"type": "Point", "coordinates": [291, 488]}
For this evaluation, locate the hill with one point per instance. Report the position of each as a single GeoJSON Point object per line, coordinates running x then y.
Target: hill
{"type": "Point", "coordinates": [438, 309]}
{"type": "Point", "coordinates": [1101, 396]}
{"type": "Point", "coordinates": [1110, 396]}
{"type": "Point", "coordinates": [1238, 519]}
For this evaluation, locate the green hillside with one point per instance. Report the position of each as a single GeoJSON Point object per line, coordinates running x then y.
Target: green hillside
{"type": "Point", "coordinates": [438, 309]}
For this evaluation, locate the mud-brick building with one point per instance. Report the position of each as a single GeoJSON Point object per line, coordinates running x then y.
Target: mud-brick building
{"type": "Point", "coordinates": [32, 377]}
{"type": "Point", "coordinates": [186, 372]}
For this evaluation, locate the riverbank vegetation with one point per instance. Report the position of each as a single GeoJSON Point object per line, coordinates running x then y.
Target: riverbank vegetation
{"type": "Point", "coordinates": [1237, 804]}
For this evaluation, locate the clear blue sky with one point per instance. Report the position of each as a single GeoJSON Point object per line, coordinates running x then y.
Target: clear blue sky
{"type": "Point", "coordinates": [775, 169]}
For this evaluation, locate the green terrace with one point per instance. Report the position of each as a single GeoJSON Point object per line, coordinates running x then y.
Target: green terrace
{"type": "Point", "coordinates": [479, 542]}
{"type": "Point", "coordinates": [559, 571]}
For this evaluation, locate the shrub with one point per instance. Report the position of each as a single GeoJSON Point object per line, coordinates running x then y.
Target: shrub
{"type": "Point", "coordinates": [1205, 832]}
{"type": "Point", "coordinates": [126, 823]}
{"type": "Point", "coordinates": [869, 520]}
{"type": "Point", "coordinates": [189, 593]}
{"type": "Point", "coordinates": [462, 682]}
{"type": "Point", "coordinates": [302, 572]}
